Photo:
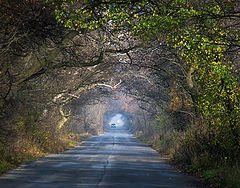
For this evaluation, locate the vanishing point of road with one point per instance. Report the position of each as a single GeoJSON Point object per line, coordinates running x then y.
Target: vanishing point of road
{"type": "Point", "coordinates": [115, 159]}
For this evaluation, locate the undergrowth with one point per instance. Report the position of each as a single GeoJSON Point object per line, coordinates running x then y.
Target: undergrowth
{"type": "Point", "coordinates": [30, 140]}
{"type": "Point", "coordinates": [12, 157]}
{"type": "Point", "coordinates": [194, 152]}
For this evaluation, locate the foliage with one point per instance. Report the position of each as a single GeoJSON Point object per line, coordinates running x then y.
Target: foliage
{"type": "Point", "coordinates": [193, 151]}
{"type": "Point", "coordinates": [1, 108]}
{"type": "Point", "coordinates": [33, 140]}
{"type": "Point", "coordinates": [223, 177]}
{"type": "Point", "coordinates": [202, 32]}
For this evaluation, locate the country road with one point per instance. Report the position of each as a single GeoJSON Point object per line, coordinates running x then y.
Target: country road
{"type": "Point", "coordinates": [115, 159]}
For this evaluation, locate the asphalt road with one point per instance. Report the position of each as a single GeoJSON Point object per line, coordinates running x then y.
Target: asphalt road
{"type": "Point", "coordinates": [115, 159]}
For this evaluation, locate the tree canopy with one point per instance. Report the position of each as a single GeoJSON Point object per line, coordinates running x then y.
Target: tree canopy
{"type": "Point", "coordinates": [205, 34]}
{"type": "Point", "coordinates": [173, 63]}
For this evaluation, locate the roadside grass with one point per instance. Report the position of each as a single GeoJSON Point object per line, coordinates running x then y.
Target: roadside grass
{"type": "Point", "coordinates": [31, 140]}
{"type": "Point", "coordinates": [223, 177]}
{"type": "Point", "coordinates": [13, 155]}
{"type": "Point", "coordinates": [226, 176]}
{"type": "Point", "coordinates": [5, 166]}
{"type": "Point", "coordinates": [190, 152]}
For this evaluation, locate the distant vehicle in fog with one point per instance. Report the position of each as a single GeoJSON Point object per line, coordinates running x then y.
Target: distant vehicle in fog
{"type": "Point", "coordinates": [113, 125]}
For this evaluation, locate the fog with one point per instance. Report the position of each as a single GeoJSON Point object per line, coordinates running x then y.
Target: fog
{"type": "Point", "coordinates": [117, 119]}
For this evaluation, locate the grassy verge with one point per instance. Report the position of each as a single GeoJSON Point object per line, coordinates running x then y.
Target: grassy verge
{"type": "Point", "coordinates": [190, 152]}
{"type": "Point", "coordinates": [13, 155]}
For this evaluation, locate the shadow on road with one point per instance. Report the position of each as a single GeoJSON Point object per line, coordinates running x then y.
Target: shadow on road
{"type": "Point", "coordinates": [115, 159]}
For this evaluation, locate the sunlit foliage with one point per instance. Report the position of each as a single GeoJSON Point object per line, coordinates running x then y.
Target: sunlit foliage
{"type": "Point", "coordinates": [202, 31]}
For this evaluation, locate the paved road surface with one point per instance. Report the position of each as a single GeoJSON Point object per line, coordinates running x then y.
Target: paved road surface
{"type": "Point", "coordinates": [113, 160]}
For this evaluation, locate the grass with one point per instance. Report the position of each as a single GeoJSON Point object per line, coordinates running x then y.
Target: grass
{"type": "Point", "coordinates": [5, 166]}
{"type": "Point", "coordinates": [184, 153]}
{"type": "Point", "coordinates": [26, 150]}
{"type": "Point", "coordinates": [228, 177]}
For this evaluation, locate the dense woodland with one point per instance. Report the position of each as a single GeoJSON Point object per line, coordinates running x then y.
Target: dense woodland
{"type": "Point", "coordinates": [171, 67]}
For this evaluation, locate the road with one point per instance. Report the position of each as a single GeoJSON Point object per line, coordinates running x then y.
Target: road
{"type": "Point", "coordinates": [115, 159]}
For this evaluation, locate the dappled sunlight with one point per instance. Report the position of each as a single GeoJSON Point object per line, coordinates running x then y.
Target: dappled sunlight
{"type": "Point", "coordinates": [114, 159]}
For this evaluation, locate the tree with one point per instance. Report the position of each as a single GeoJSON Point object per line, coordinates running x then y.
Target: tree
{"type": "Point", "coordinates": [203, 33]}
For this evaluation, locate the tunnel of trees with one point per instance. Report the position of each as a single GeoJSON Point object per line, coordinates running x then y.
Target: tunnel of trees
{"type": "Point", "coordinates": [171, 67]}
